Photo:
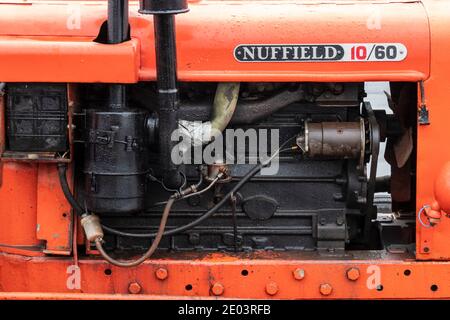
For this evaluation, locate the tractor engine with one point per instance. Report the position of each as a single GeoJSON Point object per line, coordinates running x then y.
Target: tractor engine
{"type": "Point", "coordinates": [316, 192]}
{"type": "Point", "coordinates": [233, 161]}
{"type": "Point", "coordinates": [318, 195]}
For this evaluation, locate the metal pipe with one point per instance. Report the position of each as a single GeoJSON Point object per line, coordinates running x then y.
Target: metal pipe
{"type": "Point", "coordinates": [117, 21]}
{"type": "Point", "coordinates": [247, 112]}
{"type": "Point", "coordinates": [225, 102]}
{"type": "Point", "coordinates": [117, 33]}
{"type": "Point", "coordinates": [166, 77]}
{"type": "Point", "coordinates": [168, 101]}
{"type": "Point", "coordinates": [224, 105]}
{"type": "Point", "coordinates": [149, 252]}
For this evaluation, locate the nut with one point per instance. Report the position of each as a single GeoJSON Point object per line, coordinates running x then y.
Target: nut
{"type": "Point", "coordinates": [326, 289]}
{"type": "Point", "coordinates": [161, 273]}
{"type": "Point", "coordinates": [134, 288]}
{"type": "Point", "coordinates": [299, 273]}
{"type": "Point", "coordinates": [217, 289]}
{"type": "Point", "coordinates": [271, 288]}
{"type": "Point", "coordinates": [353, 274]}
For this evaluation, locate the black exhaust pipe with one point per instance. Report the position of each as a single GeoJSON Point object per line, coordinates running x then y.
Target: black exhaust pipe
{"type": "Point", "coordinates": [116, 154]}
{"type": "Point", "coordinates": [117, 33]}
{"type": "Point", "coordinates": [164, 12]}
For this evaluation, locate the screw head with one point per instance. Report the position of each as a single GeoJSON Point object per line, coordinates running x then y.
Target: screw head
{"type": "Point", "coordinates": [299, 274]}
{"type": "Point", "coordinates": [353, 274]}
{"type": "Point", "coordinates": [272, 288]}
{"type": "Point", "coordinates": [217, 289]}
{"type": "Point", "coordinates": [134, 288]}
{"type": "Point", "coordinates": [325, 289]}
{"type": "Point", "coordinates": [162, 273]}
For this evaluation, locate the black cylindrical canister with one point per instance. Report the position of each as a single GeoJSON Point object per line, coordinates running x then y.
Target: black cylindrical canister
{"type": "Point", "coordinates": [116, 161]}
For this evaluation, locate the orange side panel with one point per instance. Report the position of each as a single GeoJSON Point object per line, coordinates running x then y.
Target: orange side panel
{"type": "Point", "coordinates": [44, 49]}
{"type": "Point", "coordinates": [54, 217]}
{"type": "Point", "coordinates": [61, 48]}
{"type": "Point", "coordinates": [206, 52]}
{"type": "Point", "coordinates": [18, 205]}
{"type": "Point", "coordinates": [67, 59]}
{"type": "Point", "coordinates": [433, 140]}
{"type": "Point", "coordinates": [267, 276]}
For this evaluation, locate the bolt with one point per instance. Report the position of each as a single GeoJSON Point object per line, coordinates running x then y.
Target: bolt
{"type": "Point", "coordinates": [325, 289]}
{"type": "Point", "coordinates": [194, 238]}
{"type": "Point", "coordinates": [271, 288]}
{"type": "Point", "coordinates": [161, 273]}
{"type": "Point", "coordinates": [134, 288]}
{"type": "Point", "coordinates": [299, 274]}
{"type": "Point", "coordinates": [353, 274]}
{"type": "Point", "coordinates": [217, 289]}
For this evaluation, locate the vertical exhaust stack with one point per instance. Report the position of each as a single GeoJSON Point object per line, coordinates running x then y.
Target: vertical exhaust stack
{"type": "Point", "coordinates": [116, 154]}
{"type": "Point", "coordinates": [164, 12]}
{"type": "Point", "coordinates": [117, 33]}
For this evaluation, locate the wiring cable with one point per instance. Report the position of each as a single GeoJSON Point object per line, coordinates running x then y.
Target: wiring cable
{"type": "Point", "coordinates": [62, 174]}
{"type": "Point", "coordinates": [211, 211]}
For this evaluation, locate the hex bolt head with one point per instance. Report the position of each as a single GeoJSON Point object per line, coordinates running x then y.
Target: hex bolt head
{"type": "Point", "coordinates": [299, 274]}
{"type": "Point", "coordinates": [325, 289]}
{"type": "Point", "coordinates": [134, 288]}
{"type": "Point", "coordinates": [217, 289]}
{"type": "Point", "coordinates": [272, 288]}
{"type": "Point", "coordinates": [353, 274]}
{"type": "Point", "coordinates": [162, 274]}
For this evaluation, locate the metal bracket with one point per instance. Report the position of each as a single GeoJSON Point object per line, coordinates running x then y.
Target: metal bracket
{"type": "Point", "coordinates": [423, 113]}
{"type": "Point", "coordinates": [424, 118]}
{"type": "Point", "coordinates": [108, 138]}
{"type": "Point", "coordinates": [331, 229]}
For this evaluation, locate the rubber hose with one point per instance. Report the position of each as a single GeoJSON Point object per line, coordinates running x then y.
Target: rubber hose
{"type": "Point", "coordinates": [62, 169]}
{"type": "Point", "coordinates": [225, 102]}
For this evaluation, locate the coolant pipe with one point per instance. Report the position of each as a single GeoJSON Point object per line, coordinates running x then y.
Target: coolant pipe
{"type": "Point", "coordinates": [247, 112]}
{"type": "Point", "coordinates": [225, 102]}
{"type": "Point", "coordinates": [224, 106]}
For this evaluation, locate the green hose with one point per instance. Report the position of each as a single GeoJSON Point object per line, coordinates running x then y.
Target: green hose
{"type": "Point", "coordinates": [225, 102]}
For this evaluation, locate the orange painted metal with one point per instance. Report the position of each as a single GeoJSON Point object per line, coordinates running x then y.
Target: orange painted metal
{"type": "Point", "coordinates": [2, 130]}
{"type": "Point", "coordinates": [442, 190]}
{"type": "Point", "coordinates": [432, 140]}
{"type": "Point", "coordinates": [54, 214]}
{"type": "Point", "coordinates": [42, 42]}
{"type": "Point", "coordinates": [90, 296]}
{"type": "Point", "coordinates": [67, 59]}
{"type": "Point", "coordinates": [269, 276]}
{"type": "Point", "coordinates": [18, 208]}
{"type": "Point", "coordinates": [60, 50]}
